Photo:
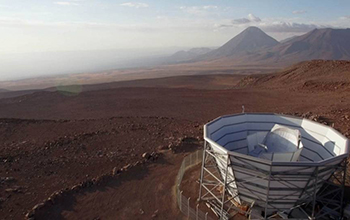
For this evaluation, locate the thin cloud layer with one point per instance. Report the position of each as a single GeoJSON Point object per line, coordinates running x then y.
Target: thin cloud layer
{"type": "Point", "coordinates": [298, 12]}
{"type": "Point", "coordinates": [251, 18]}
{"type": "Point", "coordinates": [135, 4]}
{"type": "Point", "coordinates": [66, 3]}
{"type": "Point", "coordinates": [289, 27]}
{"type": "Point", "coordinates": [210, 7]}
{"type": "Point", "coordinates": [273, 26]}
{"type": "Point", "coordinates": [241, 21]}
{"type": "Point", "coordinates": [199, 10]}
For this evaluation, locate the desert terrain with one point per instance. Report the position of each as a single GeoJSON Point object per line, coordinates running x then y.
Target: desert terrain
{"type": "Point", "coordinates": [250, 52]}
{"type": "Point", "coordinates": [88, 144]}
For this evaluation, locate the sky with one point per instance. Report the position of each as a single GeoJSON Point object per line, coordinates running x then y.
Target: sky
{"type": "Point", "coordinates": [37, 26]}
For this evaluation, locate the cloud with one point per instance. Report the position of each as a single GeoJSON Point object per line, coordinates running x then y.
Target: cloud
{"type": "Point", "coordinates": [222, 25]}
{"type": "Point", "coordinates": [135, 5]}
{"type": "Point", "coordinates": [289, 27]}
{"type": "Point", "coordinates": [298, 12]}
{"type": "Point", "coordinates": [251, 18]}
{"type": "Point", "coordinates": [5, 6]}
{"type": "Point", "coordinates": [66, 3]}
{"type": "Point", "coordinates": [345, 17]}
{"type": "Point", "coordinates": [276, 26]}
{"type": "Point", "coordinates": [199, 10]}
{"type": "Point", "coordinates": [241, 21]}
{"type": "Point", "coordinates": [43, 25]}
{"type": "Point", "coordinates": [272, 26]}
{"type": "Point", "coordinates": [206, 7]}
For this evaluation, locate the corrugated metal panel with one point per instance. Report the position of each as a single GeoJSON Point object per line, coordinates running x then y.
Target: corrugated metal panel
{"type": "Point", "coordinates": [322, 145]}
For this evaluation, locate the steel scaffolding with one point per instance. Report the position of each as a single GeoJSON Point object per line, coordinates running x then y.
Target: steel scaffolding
{"type": "Point", "coordinates": [321, 198]}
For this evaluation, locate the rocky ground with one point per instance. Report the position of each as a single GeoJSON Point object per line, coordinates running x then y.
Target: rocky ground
{"type": "Point", "coordinates": [39, 157]}
{"type": "Point", "coordinates": [51, 142]}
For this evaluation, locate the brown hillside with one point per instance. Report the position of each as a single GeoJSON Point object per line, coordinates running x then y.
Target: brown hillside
{"type": "Point", "coordinates": [311, 75]}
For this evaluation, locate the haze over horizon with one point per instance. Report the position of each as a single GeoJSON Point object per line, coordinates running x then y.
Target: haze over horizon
{"type": "Point", "coordinates": [138, 29]}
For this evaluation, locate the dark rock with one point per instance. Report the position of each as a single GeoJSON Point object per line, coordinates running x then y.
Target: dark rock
{"type": "Point", "coordinates": [154, 156]}
{"type": "Point", "coordinates": [75, 188]}
{"type": "Point", "coordinates": [171, 146]}
{"type": "Point", "coordinates": [30, 215]}
{"type": "Point", "coordinates": [126, 167]}
{"type": "Point", "coordinates": [146, 155]}
{"type": "Point", "coordinates": [38, 206]}
{"type": "Point", "coordinates": [16, 189]}
{"type": "Point", "coordinates": [6, 179]}
{"type": "Point", "coordinates": [115, 171]}
{"type": "Point", "coordinates": [155, 214]}
{"type": "Point", "coordinates": [2, 200]}
{"type": "Point", "coordinates": [163, 147]}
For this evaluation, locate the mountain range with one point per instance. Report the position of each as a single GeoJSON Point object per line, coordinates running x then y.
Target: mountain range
{"type": "Point", "coordinates": [247, 42]}
{"type": "Point", "coordinates": [183, 56]}
{"type": "Point", "coordinates": [253, 46]}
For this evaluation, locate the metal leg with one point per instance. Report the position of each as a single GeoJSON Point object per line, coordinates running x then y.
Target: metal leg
{"type": "Point", "coordinates": [224, 190]}
{"type": "Point", "coordinates": [202, 171]}
{"type": "Point", "coordinates": [343, 189]}
{"type": "Point", "coordinates": [267, 194]}
{"type": "Point", "coordinates": [315, 194]}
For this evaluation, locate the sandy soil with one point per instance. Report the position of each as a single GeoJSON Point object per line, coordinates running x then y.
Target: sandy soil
{"type": "Point", "coordinates": [191, 69]}
{"type": "Point", "coordinates": [118, 199]}
{"type": "Point", "coordinates": [43, 156]}
{"type": "Point", "coordinates": [54, 140]}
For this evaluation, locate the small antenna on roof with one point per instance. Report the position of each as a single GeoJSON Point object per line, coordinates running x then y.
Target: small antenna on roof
{"type": "Point", "coordinates": [242, 108]}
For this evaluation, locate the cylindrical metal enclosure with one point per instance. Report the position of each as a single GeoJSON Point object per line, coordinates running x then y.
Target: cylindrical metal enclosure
{"type": "Point", "coordinates": [274, 185]}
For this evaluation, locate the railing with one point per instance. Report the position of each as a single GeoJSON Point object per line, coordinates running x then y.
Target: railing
{"type": "Point", "coordinates": [182, 201]}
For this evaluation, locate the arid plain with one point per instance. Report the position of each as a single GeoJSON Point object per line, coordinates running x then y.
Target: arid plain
{"type": "Point", "coordinates": [52, 140]}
